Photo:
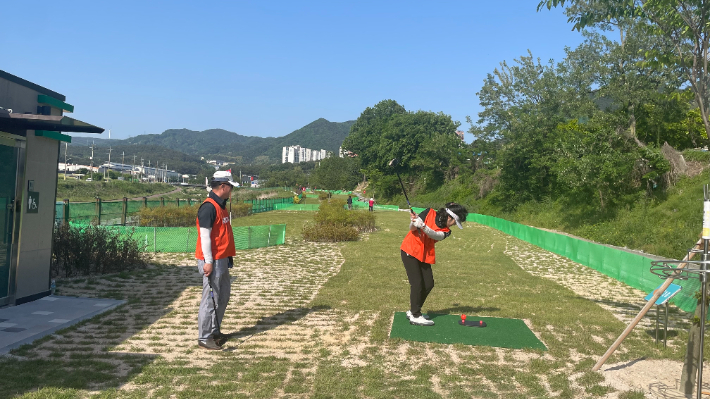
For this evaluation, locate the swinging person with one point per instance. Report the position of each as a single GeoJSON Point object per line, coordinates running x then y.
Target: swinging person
{"type": "Point", "coordinates": [417, 250]}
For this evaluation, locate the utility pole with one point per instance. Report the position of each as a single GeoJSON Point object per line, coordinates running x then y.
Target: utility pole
{"type": "Point", "coordinates": [166, 174]}
{"type": "Point", "coordinates": [123, 161]}
{"type": "Point", "coordinates": [133, 169]}
{"type": "Point", "coordinates": [109, 164]}
{"type": "Point", "coordinates": [140, 176]}
{"type": "Point", "coordinates": [91, 168]}
{"type": "Point", "coordinates": [149, 171]}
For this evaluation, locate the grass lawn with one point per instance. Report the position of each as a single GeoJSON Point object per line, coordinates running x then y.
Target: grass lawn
{"type": "Point", "coordinates": [313, 320]}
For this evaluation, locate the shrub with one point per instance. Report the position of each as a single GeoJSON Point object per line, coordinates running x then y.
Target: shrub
{"type": "Point", "coordinates": [241, 209]}
{"type": "Point", "coordinates": [364, 222]}
{"type": "Point", "coordinates": [184, 216]}
{"type": "Point", "coordinates": [329, 233]}
{"type": "Point", "coordinates": [323, 196]}
{"type": "Point", "coordinates": [84, 250]}
{"type": "Point", "coordinates": [334, 223]}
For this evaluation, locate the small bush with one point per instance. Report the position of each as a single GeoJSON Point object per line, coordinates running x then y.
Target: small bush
{"type": "Point", "coordinates": [364, 222]}
{"type": "Point", "coordinates": [240, 209]}
{"type": "Point", "coordinates": [329, 233]}
{"type": "Point", "coordinates": [334, 223]}
{"type": "Point", "coordinates": [85, 250]}
{"type": "Point", "coordinates": [184, 216]}
{"type": "Point", "coordinates": [323, 196]}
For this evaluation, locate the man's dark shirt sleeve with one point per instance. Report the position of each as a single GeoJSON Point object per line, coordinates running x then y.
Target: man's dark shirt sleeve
{"type": "Point", "coordinates": [207, 213]}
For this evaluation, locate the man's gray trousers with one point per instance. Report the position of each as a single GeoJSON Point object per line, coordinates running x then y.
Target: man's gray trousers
{"type": "Point", "coordinates": [221, 287]}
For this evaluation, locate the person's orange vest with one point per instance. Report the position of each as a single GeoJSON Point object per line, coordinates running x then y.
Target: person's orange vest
{"type": "Point", "coordinates": [419, 245]}
{"type": "Point", "coordinates": [222, 237]}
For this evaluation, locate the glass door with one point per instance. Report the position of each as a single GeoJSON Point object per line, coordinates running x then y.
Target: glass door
{"type": "Point", "coordinates": [8, 176]}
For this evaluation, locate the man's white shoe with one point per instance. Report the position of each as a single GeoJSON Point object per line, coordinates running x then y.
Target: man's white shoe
{"type": "Point", "coordinates": [420, 321]}
{"type": "Point", "coordinates": [409, 314]}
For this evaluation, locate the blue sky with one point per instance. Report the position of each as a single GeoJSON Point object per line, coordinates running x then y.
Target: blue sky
{"type": "Point", "coordinates": [267, 68]}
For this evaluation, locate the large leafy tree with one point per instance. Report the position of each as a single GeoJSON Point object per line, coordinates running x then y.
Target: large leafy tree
{"type": "Point", "coordinates": [683, 24]}
{"type": "Point", "coordinates": [523, 104]}
{"type": "Point", "coordinates": [424, 142]}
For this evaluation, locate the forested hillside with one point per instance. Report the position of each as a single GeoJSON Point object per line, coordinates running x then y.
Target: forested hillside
{"type": "Point", "coordinates": [232, 147]}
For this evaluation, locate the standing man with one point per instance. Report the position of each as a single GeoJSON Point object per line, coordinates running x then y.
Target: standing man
{"type": "Point", "coordinates": [372, 204]}
{"type": "Point", "coordinates": [215, 249]}
{"type": "Point", "coordinates": [350, 202]}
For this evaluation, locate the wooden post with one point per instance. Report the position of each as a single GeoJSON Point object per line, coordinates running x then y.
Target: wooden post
{"type": "Point", "coordinates": [642, 313]}
{"type": "Point", "coordinates": [162, 201]}
{"type": "Point", "coordinates": [66, 211]}
{"type": "Point", "coordinates": [177, 201]}
{"type": "Point", "coordinates": [145, 202]}
{"type": "Point", "coordinates": [124, 211]}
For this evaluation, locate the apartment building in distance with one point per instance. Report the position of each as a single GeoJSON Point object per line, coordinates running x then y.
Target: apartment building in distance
{"type": "Point", "coordinates": [297, 154]}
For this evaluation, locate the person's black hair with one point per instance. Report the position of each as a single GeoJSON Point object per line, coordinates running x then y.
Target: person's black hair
{"type": "Point", "coordinates": [215, 183]}
{"type": "Point", "coordinates": [442, 216]}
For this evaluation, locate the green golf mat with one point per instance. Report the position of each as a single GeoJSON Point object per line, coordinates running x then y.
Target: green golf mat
{"type": "Point", "coordinates": [501, 333]}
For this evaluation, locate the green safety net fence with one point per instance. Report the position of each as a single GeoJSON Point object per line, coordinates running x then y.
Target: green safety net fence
{"type": "Point", "coordinates": [629, 268]}
{"type": "Point", "coordinates": [184, 239]}
{"type": "Point", "coordinates": [110, 213]}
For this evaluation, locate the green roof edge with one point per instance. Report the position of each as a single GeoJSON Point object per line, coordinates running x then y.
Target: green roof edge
{"type": "Point", "coordinates": [53, 135]}
{"type": "Point", "coordinates": [45, 99]}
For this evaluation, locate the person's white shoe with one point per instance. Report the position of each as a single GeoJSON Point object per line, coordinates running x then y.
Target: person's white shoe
{"type": "Point", "coordinates": [420, 321]}
{"type": "Point", "coordinates": [409, 314]}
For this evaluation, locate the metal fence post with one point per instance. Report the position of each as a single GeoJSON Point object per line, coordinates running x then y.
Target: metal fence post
{"type": "Point", "coordinates": [268, 240]}
{"type": "Point", "coordinates": [98, 211]}
{"type": "Point", "coordinates": [162, 201]}
{"type": "Point", "coordinates": [66, 211]}
{"type": "Point", "coordinates": [145, 202]}
{"type": "Point", "coordinates": [125, 211]}
{"type": "Point", "coordinates": [155, 245]}
{"type": "Point", "coordinates": [187, 243]}
{"type": "Point", "coordinates": [177, 201]}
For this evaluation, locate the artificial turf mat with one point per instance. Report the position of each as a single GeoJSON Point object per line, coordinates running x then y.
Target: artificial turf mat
{"type": "Point", "coordinates": [501, 333]}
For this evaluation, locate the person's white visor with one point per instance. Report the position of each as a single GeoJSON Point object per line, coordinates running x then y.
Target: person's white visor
{"type": "Point", "coordinates": [456, 218]}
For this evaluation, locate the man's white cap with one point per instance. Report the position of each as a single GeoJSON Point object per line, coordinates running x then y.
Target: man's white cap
{"type": "Point", "coordinates": [224, 176]}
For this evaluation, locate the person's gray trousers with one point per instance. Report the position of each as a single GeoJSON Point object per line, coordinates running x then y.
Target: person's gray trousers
{"type": "Point", "coordinates": [221, 286]}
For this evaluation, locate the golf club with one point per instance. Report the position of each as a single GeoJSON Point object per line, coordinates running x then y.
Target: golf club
{"type": "Point", "coordinates": [393, 163]}
{"type": "Point", "coordinates": [214, 305]}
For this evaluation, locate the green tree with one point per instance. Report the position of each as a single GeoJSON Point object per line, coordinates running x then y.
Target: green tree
{"type": "Point", "coordinates": [336, 173]}
{"type": "Point", "coordinates": [366, 133]}
{"type": "Point", "coordinates": [682, 23]}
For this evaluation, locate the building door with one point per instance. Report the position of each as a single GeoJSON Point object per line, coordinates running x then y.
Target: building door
{"type": "Point", "coordinates": [9, 154]}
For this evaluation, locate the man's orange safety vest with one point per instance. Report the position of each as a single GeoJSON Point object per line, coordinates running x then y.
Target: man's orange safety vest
{"type": "Point", "coordinates": [222, 237]}
{"type": "Point", "coordinates": [419, 245]}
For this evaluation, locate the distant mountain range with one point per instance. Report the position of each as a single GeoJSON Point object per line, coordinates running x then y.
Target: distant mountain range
{"type": "Point", "coordinates": [178, 146]}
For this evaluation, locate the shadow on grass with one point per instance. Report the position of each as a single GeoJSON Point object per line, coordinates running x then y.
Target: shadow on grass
{"type": "Point", "coordinates": [80, 357]}
{"type": "Point", "coordinates": [458, 309]}
{"type": "Point", "coordinates": [625, 365]}
{"type": "Point", "coordinates": [267, 323]}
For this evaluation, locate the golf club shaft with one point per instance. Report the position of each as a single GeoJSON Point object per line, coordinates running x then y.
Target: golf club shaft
{"type": "Point", "coordinates": [405, 193]}
{"type": "Point", "coordinates": [214, 305]}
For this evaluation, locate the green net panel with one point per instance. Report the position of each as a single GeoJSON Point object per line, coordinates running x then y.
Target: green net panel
{"type": "Point", "coordinates": [184, 239]}
{"type": "Point", "coordinates": [629, 268]}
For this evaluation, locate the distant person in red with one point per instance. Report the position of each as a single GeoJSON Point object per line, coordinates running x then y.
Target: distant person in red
{"type": "Point", "coordinates": [417, 251]}
{"type": "Point", "coordinates": [371, 203]}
